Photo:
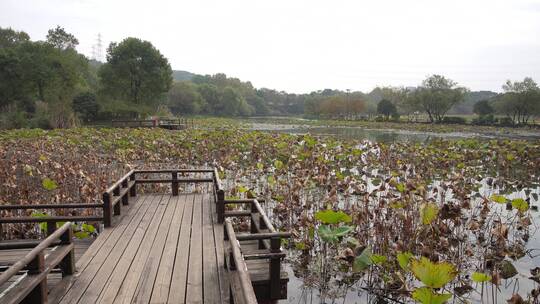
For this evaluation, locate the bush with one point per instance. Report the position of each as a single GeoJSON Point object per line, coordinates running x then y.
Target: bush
{"type": "Point", "coordinates": [86, 106]}
{"type": "Point", "coordinates": [380, 119]}
{"type": "Point", "coordinates": [14, 120]}
{"type": "Point", "coordinates": [485, 120]}
{"type": "Point", "coordinates": [454, 120]}
{"type": "Point", "coordinates": [506, 122]}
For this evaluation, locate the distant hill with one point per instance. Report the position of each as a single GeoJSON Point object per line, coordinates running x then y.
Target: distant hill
{"type": "Point", "coordinates": [182, 75]}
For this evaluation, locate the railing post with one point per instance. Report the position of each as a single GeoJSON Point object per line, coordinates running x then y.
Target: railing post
{"type": "Point", "coordinates": [221, 205]}
{"type": "Point", "coordinates": [133, 190]}
{"type": "Point", "coordinates": [67, 265]}
{"type": "Point", "coordinates": [253, 227]}
{"type": "Point", "coordinates": [39, 293]}
{"type": "Point", "coordinates": [107, 210]}
{"type": "Point", "coordinates": [262, 225]}
{"type": "Point", "coordinates": [51, 228]}
{"type": "Point", "coordinates": [125, 198]}
{"type": "Point", "coordinates": [174, 183]}
{"type": "Point", "coordinates": [116, 207]}
{"type": "Point", "coordinates": [275, 269]}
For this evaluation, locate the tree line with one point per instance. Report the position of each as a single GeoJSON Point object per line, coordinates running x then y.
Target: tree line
{"type": "Point", "coordinates": [48, 84]}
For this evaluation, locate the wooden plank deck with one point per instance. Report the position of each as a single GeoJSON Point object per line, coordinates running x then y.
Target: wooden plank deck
{"type": "Point", "coordinates": [165, 249]}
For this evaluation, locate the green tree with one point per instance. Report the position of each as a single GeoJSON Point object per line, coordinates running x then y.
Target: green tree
{"type": "Point", "coordinates": [10, 38]}
{"type": "Point", "coordinates": [211, 96]}
{"type": "Point", "coordinates": [13, 85]}
{"type": "Point", "coordinates": [436, 96]}
{"type": "Point", "coordinates": [232, 103]}
{"type": "Point", "coordinates": [136, 72]}
{"type": "Point", "coordinates": [86, 106]}
{"type": "Point", "coordinates": [520, 101]}
{"type": "Point", "coordinates": [386, 108]}
{"type": "Point", "coordinates": [59, 38]}
{"type": "Point", "coordinates": [482, 108]}
{"type": "Point", "coordinates": [184, 98]}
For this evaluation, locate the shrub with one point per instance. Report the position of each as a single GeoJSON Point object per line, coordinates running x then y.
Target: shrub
{"type": "Point", "coordinates": [506, 122]}
{"type": "Point", "coordinates": [485, 120]}
{"type": "Point", "coordinates": [454, 120]}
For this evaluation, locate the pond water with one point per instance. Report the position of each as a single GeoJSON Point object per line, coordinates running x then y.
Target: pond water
{"type": "Point", "coordinates": [375, 135]}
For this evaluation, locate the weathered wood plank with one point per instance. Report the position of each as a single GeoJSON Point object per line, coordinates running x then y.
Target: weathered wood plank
{"type": "Point", "coordinates": [131, 281]}
{"type": "Point", "coordinates": [194, 288]}
{"type": "Point", "coordinates": [160, 293]}
{"type": "Point", "coordinates": [63, 287]}
{"type": "Point", "coordinates": [177, 292]}
{"type": "Point", "coordinates": [112, 247]}
{"type": "Point", "coordinates": [106, 233]}
{"type": "Point", "coordinates": [118, 268]}
{"type": "Point", "coordinates": [212, 293]}
{"type": "Point", "coordinates": [146, 284]}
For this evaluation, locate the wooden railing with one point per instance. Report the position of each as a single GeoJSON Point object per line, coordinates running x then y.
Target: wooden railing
{"type": "Point", "coordinates": [269, 243]}
{"type": "Point", "coordinates": [261, 229]}
{"type": "Point", "coordinates": [168, 123]}
{"type": "Point", "coordinates": [51, 220]}
{"type": "Point", "coordinates": [126, 187]}
{"type": "Point", "coordinates": [34, 267]}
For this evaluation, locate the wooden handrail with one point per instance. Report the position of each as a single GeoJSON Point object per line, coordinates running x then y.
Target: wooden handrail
{"type": "Point", "coordinates": [243, 201]}
{"type": "Point", "coordinates": [170, 180]}
{"type": "Point", "coordinates": [263, 231]}
{"type": "Point", "coordinates": [262, 236]}
{"type": "Point", "coordinates": [239, 266]}
{"type": "Point", "coordinates": [50, 206]}
{"type": "Point", "coordinates": [217, 180]}
{"type": "Point", "coordinates": [29, 257]}
{"type": "Point", "coordinates": [48, 219]}
{"type": "Point", "coordinates": [119, 182]}
{"type": "Point", "coordinates": [137, 171]}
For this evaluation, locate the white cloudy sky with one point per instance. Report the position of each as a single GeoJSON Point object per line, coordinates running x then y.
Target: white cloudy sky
{"type": "Point", "coordinates": [306, 45]}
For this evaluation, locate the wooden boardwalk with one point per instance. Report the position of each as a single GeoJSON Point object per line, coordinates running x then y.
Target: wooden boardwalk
{"type": "Point", "coordinates": [162, 248]}
{"type": "Point", "coordinates": [166, 249]}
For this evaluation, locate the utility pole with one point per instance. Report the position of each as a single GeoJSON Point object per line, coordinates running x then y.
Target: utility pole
{"type": "Point", "coordinates": [97, 48]}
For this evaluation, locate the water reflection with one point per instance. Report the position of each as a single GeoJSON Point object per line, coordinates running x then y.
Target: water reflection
{"type": "Point", "coordinates": [357, 133]}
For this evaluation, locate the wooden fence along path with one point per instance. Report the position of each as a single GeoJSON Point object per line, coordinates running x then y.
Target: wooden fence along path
{"type": "Point", "coordinates": [155, 248]}
{"type": "Point", "coordinates": [165, 123]}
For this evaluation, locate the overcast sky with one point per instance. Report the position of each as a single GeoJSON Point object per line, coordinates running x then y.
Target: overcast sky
{"type": "Point", "coordinates": [306, 45]}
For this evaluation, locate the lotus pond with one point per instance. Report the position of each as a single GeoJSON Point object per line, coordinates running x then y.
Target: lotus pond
{"type": "Point", "coordinates": [372, 222]}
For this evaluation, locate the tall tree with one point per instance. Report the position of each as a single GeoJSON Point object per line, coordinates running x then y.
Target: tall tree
{"type": "Point", "coordinates": [11, 38]}
{"type": "Point", "coordinates": [136, 72]}
{"type": "Point", "coordinates": [520, 101]}
{"type": "Point", "coordinates": [482, 108]}
{"type": "Point", "coordinates": [386, 108]}
{"type": "Point", "coordinates": [436, 96]}
{"type": "Point", "coordinates": [59, 38]}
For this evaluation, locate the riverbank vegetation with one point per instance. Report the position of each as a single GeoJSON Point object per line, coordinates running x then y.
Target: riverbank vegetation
{"type": "Point", "coordinates": [48, 84]}
{"type": "Point", "coordinates": [426, 222]}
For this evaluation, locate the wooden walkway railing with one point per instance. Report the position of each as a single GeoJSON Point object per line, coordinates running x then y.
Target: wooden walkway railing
{"type": "Point", "coordinates": [261, 228]}
{"type": "Point", "coordinates": [32, 286]}
{"type": "Point", "coordinates": [166, 123]}
{"type": "Point", "coordinates": [237, 256]}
